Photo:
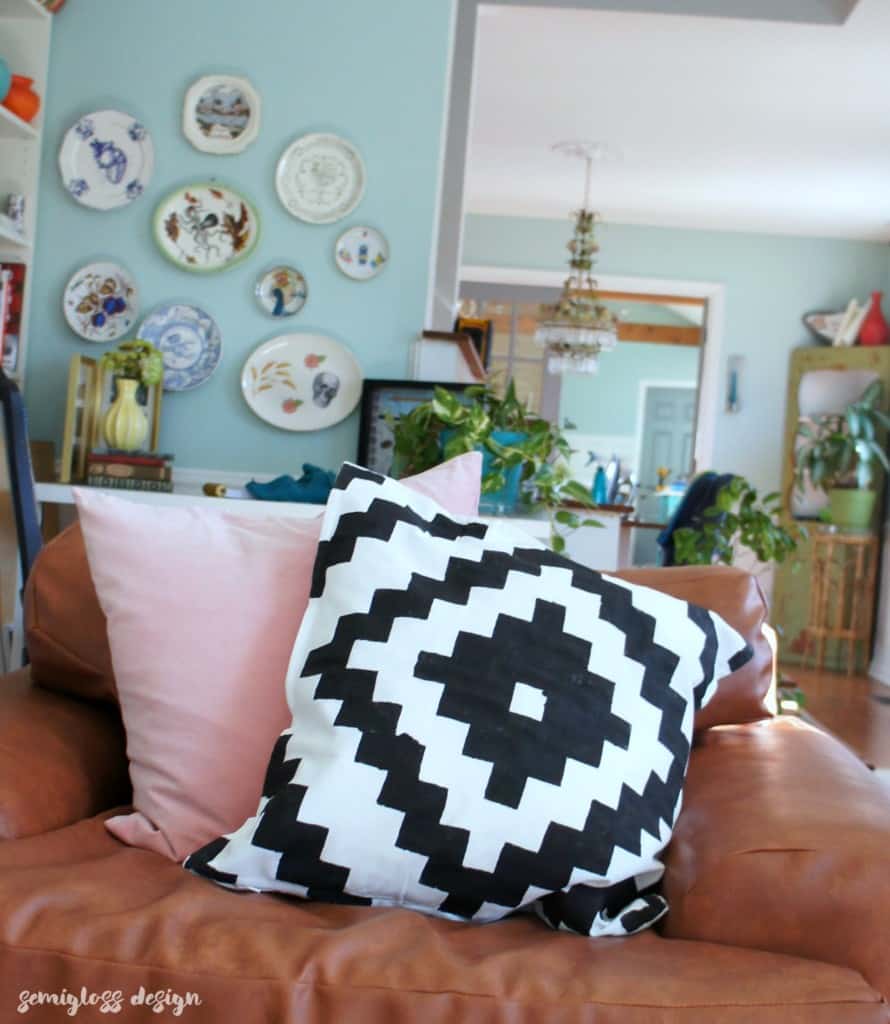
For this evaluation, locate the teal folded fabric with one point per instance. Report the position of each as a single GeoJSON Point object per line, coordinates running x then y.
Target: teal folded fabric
{"type": "Point", "coordinates": [313, 487]}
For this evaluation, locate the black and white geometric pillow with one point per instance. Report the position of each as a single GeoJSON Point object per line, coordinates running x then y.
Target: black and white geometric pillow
{"type": "Point", "coordinates": [479, 725]}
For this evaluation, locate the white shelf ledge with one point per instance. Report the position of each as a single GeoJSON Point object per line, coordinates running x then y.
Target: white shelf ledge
{"type": "Point", "coordinates": [22, 9]}
{"type": "Point", "coordinates": [12, 127]}
{"type": "Point", "coordinates": [9, 235]}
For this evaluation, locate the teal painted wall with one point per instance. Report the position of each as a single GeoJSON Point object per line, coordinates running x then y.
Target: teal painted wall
{"type": "Point", "coordinates": [771, 281]}
{"type": "Point", "coordinates": [608, 402]}
{"type": "Point", "coordinates": [374, 73]}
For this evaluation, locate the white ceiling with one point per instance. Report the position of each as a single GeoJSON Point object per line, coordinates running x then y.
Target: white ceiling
{"type": "Point", "coordinates": [720, 123]}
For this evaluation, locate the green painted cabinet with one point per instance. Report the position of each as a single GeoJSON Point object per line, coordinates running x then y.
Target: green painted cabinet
{"type": "Point", "coordinates": [821, 379]}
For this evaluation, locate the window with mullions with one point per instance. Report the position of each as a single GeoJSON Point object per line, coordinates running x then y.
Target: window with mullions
{"type": "Point", "coordinates": [514, 353]}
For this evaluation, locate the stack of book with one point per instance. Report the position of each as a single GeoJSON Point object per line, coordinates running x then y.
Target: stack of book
{"type": "Point", "coordinates": [130, 471]}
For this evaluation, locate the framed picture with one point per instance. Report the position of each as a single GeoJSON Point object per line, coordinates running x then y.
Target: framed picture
{"type": "Point", "coordinates": [81, 417]}
{"type": "Point", "coordinates": [382, 399]}
{"type": "Point", "coordinates": [91, 390]}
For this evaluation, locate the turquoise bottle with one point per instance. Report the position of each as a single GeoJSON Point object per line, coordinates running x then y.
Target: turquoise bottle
{"type": "Point", "coordinates": [598, 491]}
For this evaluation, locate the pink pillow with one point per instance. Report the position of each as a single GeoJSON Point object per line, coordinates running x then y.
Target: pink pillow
{"type": "Point", "coordinates": [203, 608]}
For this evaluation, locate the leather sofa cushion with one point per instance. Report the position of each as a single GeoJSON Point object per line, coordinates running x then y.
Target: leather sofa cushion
{"type": "Point", "coordinates": [79, 909]}
{"type": "Point", "coordinates": [735, 595]}
{"type": "Point", "coordinates": [783, 844]}
{"type": "Point", "coordinates": [64, 625]}
{"type": "Point", "coordinates": [68, 643]}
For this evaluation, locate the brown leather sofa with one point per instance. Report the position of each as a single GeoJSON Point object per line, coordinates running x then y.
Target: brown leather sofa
{"type": "Point", "coordinates": [778, 877]}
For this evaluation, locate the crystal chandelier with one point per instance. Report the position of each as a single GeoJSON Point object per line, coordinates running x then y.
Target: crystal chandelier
{"type": "Point", "coordinates": [577, 327]}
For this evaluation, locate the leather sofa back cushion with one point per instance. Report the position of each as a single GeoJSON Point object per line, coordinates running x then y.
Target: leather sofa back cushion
{"type": "Point", "coordinates": [68, 645]}
{"type": "Point", "coordinates": [747, 694]}
{"type": "Point", "coordinates": [64, 625]}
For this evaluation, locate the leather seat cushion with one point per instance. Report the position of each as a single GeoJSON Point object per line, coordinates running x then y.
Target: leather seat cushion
{"type": "Point", "coordinates": [77, 908]}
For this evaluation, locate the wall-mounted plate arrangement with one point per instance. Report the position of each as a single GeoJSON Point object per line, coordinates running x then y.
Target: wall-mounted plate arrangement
{"type": "Point", "coordinates": [101, 302]}
{"type": "Point", "coordinates": [320, 178]}
{"type": "Point", "coordinates": [106, 159]}
{"type": "Point", "coordinates": [301, 381]}
{"type": "Point", "coordinates": [361, 253]}
{"type": "Point", "coordinates": [206, 227]}
{"type": "Point", "coordinates": [221, 114]}
{"type": "Point", "coordinates": [189, 340]}
{"type": "Point", "coordinates": [281, 291]}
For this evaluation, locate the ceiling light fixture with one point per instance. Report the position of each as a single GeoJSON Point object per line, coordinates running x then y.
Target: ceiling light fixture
{"type": "Point", "coordinates": [577, 327]}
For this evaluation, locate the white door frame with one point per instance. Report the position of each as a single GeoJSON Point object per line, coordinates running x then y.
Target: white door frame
{"type": "Point", "coordinates": [645, 385]}
{"type": "Point", "coordinates": [709, 397]}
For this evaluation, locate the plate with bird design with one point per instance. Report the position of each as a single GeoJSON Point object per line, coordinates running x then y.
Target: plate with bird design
{"type": "Point", "coordinates": [206, 227]}
{"type": "Point", "coordinates": [281, 291]}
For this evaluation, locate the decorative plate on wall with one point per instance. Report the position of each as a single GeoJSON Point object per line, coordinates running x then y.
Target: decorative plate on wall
{"type": "Point", "coordinates": [189, 341]}
{"type": "Point", "coordinates": [320, 178]}
{"type": "Point", "coordinates": [206, 227]}
{"type": "Point", "coordinates": [361, 253]}
{"type": "Point", "coordinates": [281, 291]}
{"type": "Point", "coordinates": [106, 159]}
{"type": "Point", "coordinates": [221, 114]}
{"type": "Point", "coordinates": [101, 302]}
{"type": "Point", "coordinates": [301, 381]}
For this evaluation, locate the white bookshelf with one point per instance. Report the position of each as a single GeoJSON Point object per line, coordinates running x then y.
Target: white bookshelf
{"type": "Point", "coordinates": [25, 29]}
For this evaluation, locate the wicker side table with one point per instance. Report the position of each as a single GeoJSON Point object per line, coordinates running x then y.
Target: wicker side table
{"type": "Point", "coordinates": [842, 594]}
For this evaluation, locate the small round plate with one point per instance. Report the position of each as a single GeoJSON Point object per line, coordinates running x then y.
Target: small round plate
{"type": "Point", "coordinates": [281, 291]}
{"type": "Point", "coordinates": [101, 302]}
{"type": "Point", "coordinates": [301, 381]}
{"type": "Point", "coordinates": [320, 178]}
{"type": "Point", "coordinates": [106, 159]}
{"type": "Point", "coordinates": [361, 253]}
{"type": "Point", "coordinates": [189, 341]}
{"type": "Point", "coordinates": [206, 227]}
{"type": "Point", "coordinates": [221, 114]}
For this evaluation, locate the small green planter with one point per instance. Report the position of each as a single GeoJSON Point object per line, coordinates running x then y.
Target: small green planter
{"type": "Point", "coordinates": [851, 509]}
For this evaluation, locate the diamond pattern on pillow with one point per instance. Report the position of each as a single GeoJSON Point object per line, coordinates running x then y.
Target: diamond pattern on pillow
{"type": "Point", "coordinates": [479, 725]}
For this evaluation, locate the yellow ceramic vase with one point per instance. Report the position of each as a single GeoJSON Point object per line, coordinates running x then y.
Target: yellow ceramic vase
{"type": "Point", "coordinates": [125, 424]}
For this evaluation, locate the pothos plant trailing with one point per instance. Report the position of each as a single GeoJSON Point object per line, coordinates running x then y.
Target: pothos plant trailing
{"type": "Point", "coordinates": [448, 425]}
{"type": "Point", "coordinates": [738, 518]}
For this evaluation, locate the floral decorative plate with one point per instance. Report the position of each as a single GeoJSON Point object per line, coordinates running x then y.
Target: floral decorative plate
{"type": "Point", "coordinates": [206, 227]}
{"type": "Point", "coordinates": [221, 114]}
{"type": "Point", "coordinates": [301, 381]}
{"type": "Point", "coordinates": [106, 159]}
{"type": "Point", "coordinates": [320, 178]}
{"type": "Point", "coordinates": [281, 291]}
{"type": "Point", "coordinates": [361, 253]}
{"type": "Point", "coordinates": [101, 302]}
{"type": "Point", "coordinates": [189, 341]}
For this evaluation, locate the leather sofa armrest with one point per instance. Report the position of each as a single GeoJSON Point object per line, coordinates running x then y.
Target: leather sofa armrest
{"type": "Point", "coordinates": [783, 845]}
{"type": "Point", "coordinates": [61, 759]}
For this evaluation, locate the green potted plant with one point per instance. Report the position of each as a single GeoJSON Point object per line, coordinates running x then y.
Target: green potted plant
{"type": "Point", "coordinates": [134, 364]}
{"type": "Point", "coordinates": [737, 519]}
{"type": "Point", "coordinates": [524, 457]}
{"type": "Point", "coordinates": [839, 454]}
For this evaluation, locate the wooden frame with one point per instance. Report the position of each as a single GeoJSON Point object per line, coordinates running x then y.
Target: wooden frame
{"type": "Point", "coordinates": [81, 417]}
{"type": "Point", "coordinates": [467, 346]}
{"type": "Point", "coordinates": [385, 396]}
{"type": "Point", "coordinates": [89, 395]}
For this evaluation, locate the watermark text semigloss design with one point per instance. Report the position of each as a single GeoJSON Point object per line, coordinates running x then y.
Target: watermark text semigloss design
{"type": "Point", "coordinates": [162, 1000]}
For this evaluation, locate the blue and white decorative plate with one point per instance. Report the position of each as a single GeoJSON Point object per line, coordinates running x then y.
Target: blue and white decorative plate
{"type": "Point", "coordinates": [189, 341]}
{"type": "Point", "coordinates": [106, 159]}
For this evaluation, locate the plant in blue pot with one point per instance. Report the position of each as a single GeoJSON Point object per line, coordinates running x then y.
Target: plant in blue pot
{"type": "Point", "coordinates": [524, 457]}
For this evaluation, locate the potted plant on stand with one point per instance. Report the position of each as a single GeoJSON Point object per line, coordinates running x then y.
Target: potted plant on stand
{"type": "Point", "coordinates": [839, 455]}
{"type": "Point", "coordinates": [524, 457]}
{"type": "Point", "coordinates": [134, 364]}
